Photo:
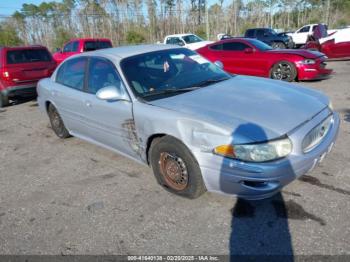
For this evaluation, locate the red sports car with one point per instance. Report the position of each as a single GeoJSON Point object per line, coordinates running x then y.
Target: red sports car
{"type": "Point", "coordinates": [247, 56]}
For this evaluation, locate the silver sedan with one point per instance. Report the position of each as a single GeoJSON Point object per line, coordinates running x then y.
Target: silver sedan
{"type": "Point", "coordinates": [198, 127]}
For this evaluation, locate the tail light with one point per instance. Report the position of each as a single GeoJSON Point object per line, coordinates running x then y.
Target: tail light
{"type": "Point", "coordinates": [4, 74]}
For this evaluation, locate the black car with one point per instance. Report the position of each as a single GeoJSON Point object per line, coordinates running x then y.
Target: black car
{"type": "Point", "coordinates": [270, 37]}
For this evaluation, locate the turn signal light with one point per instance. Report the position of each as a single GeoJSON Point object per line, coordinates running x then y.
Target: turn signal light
{"type": "Point", "coordinates": [225, 150]}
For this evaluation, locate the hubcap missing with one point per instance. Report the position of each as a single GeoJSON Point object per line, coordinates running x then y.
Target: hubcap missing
{"type": "Point", "coordinates": [173, 170]}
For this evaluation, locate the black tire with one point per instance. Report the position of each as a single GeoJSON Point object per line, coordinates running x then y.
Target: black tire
{"type": "Point", "coordinates": [175, 168]}
{"type": "Point", "coordinates": [57, 123]}
{"type": "Point", "coordinates": [283, 70]}
{"type": "Point", "coordinates": [279, 45]}
{"type": "Point", "coordinates": [4, 100]}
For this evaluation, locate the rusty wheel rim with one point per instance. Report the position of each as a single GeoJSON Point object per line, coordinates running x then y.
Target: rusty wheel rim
{"type": "Point", "coordinates": [56, 121]}
{"type": "Point", "coordinates": [173, 170]}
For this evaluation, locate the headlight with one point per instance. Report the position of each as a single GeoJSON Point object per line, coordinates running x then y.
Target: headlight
{"type": "Point", "coordinates": [260, 152]}
{"type": "Point", "coordinates": [308, 62]}
{"type": "Point", "coordinates": [330, 105]}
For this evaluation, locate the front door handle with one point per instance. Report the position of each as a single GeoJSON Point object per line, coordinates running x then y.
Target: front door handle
{"type": "Point", "coordinates": [88, 103]}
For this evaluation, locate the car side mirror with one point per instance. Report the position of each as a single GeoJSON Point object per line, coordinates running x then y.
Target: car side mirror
{"type": "Point", "coordinates": [181, 43]}
{"type": "Point", "coordinates": [248, 50]}
{"type": "Point", "coordinates": [219, 64]}
{"type": "Point", "coordinates": [112, 93]}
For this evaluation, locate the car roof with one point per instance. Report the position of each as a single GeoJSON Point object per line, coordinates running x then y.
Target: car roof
{"type": "Point", "coordinates": [28, 47]}
{"type": "Point", "coordinates": [238, 38]}
{"type": "Point", "coordinates": [179, 35]}
{"type": "Point", "coordinates": [121, 52]}
{"type": "Point", "coordinates": [259, 28]}
{"type": "Point", "coordinates": [89, 39]}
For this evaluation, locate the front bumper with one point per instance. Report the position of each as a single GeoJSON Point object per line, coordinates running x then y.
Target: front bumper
{"type": "Point", "coordinates": [22, 90]}
{"type": "Point", "coordinates": [313, 72]}
{"type": "Point", "coordinates": [262, 180]}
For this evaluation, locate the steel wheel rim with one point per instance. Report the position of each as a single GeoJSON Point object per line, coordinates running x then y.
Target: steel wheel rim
{"type": "Point", "coordinates": [282, 72]}
{"type": "Point", "coordinates": [56, 121]}
{"type": "Point", "coordinates": [173, 170]}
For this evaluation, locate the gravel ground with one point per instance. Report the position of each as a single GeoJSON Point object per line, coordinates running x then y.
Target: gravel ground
{"type": "Point", "coordinates": [71, 197]}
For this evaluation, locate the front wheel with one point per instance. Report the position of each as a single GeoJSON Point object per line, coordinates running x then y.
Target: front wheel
{"type": "Point", "coordinates": [57, 123]}
{"type": "Point", "coordinates": [176, 168]}
{"type": "Point", "coordinates": [278, 45]}
{"type": "Point", "coordinates": [284, 71]}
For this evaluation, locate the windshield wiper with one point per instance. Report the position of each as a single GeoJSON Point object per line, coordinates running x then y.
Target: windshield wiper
{"type": "Point", "coordinates": [210, 81]}
{"type": "Point", "coordinates": [186, 89]}
{"type": "Point", "coordinates": [171, 91]}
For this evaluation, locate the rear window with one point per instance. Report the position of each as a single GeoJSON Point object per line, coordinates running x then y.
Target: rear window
{"type": "Point", "coordinates": [94, 45]}
{"type": "Point", "coordinates": [27, 56]}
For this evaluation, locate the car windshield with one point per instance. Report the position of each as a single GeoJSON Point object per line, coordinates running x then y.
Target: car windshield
{"type": "Point", "coordinates": [189, 39]}
{"type": "Point", "coordinates": [272, 32]}
{"type": "Point", "coordinates": [260, 45]}
{"type": "Point", "coordinates": [169, 72]}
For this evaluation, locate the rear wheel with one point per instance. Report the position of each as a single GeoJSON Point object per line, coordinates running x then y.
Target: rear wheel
{"type": "Point", "coordinates": [278, 45]}
{"type": "Point", "coordinates": [176, 168]}
{"type": "Point", "coordinates": [284, 71]}
{"type": "Point", "coordinates": [4, 100]}
{"type": "Point", "coordinates": [57, 123]}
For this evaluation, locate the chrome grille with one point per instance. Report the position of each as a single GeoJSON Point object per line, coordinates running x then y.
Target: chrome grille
{"type": "Point", "coordinates": [315, 136]}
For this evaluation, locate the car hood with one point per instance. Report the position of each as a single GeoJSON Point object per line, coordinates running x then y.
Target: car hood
{"type": "Point", "coordinates": [304, 53]}
{"type": "Point", "coordinates": [271, 106]}
{"type": "Point", "coordinates": [197, 45]}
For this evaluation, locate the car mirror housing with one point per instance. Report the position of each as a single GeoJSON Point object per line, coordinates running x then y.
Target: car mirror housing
{"type": "Point", "coordinates": [112, 93]}
{"type": "Point", "coordinates": [248, 50]}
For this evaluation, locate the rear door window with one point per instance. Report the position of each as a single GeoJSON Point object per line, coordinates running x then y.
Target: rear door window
{"type": "Point", "coordinates": [174, 41]}
{"type": "Point", "coordinates": [260, 33]}
{"type": "Point", "coordinates": [217, 47]}
{"type": "Point", "coordinates": [234, 46]}
{"type": "Point", "coordinates": [104, 44]}
{"type": "Point", "coordinates": [27, 56]}
{"type": "Point", "coordinates": [72, 73]}
{"type": "Point", "coordinates": [94, 45]}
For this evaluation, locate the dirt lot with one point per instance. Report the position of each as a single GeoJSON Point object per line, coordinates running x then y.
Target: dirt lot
{"type": "Point", "coordinates": [70, 197]}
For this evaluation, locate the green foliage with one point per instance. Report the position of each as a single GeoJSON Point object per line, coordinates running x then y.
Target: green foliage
{"type": "Point", "coordinates": [62, 36]}
{"type": "Point", "coordinates": [133, 37]}
{"type": "Point", "coordinates": [201, 32]}
{"type": "Point", "coordinates": [342, 23]}
{"type": "Point", "coordinates": [8, 36]}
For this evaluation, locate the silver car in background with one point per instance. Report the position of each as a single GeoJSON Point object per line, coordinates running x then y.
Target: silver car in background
{"type": "Point", "coordinates": [198, 127]}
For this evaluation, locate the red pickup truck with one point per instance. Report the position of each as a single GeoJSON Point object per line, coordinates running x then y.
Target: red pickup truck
{"type": "Point", "coordinates": [80, 45]}
{"type": "Point", "coordinates": [20, 70]}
